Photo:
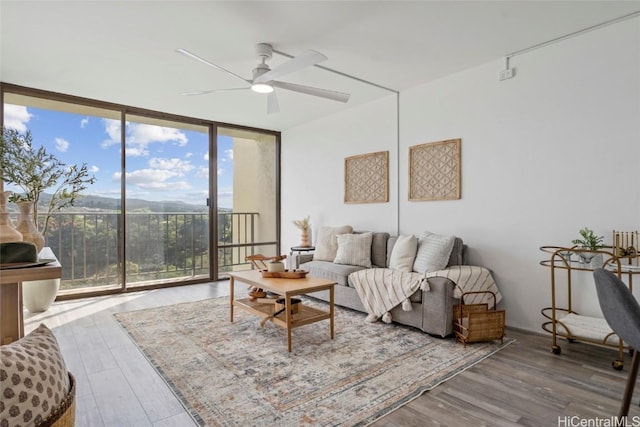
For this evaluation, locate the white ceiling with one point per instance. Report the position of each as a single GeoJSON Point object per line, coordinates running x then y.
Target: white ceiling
{"type": "Point", "coordinates": [124, 52]}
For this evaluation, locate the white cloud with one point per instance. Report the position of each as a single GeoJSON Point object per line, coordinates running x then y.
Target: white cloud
{"type": "Point", "coordinates": [140, 135]}
{"type": "Point", "coordinates": [62, 144]}
{"type": "Point", "coordinates": [136, 151]}
{"type": "Point", "coordinates": [154, 179]}
{"type": "Point", "coordinates": [94, 169]}
{"type": "Point", "coordinates": [220, 171]}
{"type": "Point", "coordinates": [144, 134]}
{"type": "Point", "coordinates": [143, 176]}
{"type": "Point", "coordinates": [16, 117]}
{"type": "Point", "coordinates": [206, 156]}
{"type": "Point", "coordinates": [170, 164]}
{"type": "Point", "coordinates": [228, 154]}
{"type": "Point", "coordinates": [188, 155]}
{"type": "Point", "coordinates": [112, 128]}
{"type": "Point", "coordinates": [203, 172]}
{"type": "Point", "coordinates": [84, 122]}
{"type": "Point", "coordinates": [166, 186]}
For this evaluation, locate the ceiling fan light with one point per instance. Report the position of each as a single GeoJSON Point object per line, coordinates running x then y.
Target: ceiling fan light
{"type": "Point", "coordinates": [262, 88]}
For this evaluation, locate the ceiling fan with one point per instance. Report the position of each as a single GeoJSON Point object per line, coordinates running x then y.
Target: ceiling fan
{"type": "Point", "coordinates": [263, 80]}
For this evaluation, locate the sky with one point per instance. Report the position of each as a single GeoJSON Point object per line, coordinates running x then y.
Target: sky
{"type": "Point", "coordinates": [162, 163]}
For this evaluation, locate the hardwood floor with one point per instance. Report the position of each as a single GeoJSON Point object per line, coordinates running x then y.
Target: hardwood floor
{"type": "Point", "coordinates": [523, 384]}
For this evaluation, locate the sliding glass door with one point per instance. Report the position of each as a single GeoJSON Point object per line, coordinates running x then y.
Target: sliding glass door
{"type": "Point", "coordinates": [248, 183]}
{"type": "Point", "coordinates": [175, 200]}
{"type": "Point", "coordinates": [85, 237]}
{"type": "Point", "coordinates": [166, 212]}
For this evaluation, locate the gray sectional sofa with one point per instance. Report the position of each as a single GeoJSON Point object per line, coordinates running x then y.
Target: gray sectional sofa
{"type": "Point", "coordinates": [432, 311]}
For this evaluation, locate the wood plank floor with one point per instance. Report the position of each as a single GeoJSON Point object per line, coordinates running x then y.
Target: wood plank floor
{"type": "Point", "coordinates": [523, 384]}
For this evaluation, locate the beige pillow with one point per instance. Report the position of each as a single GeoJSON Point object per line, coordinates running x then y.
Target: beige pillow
{"type": "Point", "coordinates": [433, 252]}
{"type": "Point", "coordinates": [34, 378]}
{"type": "Point", "coordinates": [404, 253]}
{"type": "Point", "coordinates": [327, 242]}
{"type": "Point", "coordinates": [354, 249]}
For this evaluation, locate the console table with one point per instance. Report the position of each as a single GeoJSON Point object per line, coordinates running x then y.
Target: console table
{"type": "Point", "coordinates": [11, 278]}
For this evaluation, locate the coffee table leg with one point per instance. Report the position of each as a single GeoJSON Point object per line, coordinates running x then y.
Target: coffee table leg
{"type": "Point", "coordinates": [287, 310]}
{"type": "Point", "coordinates": [231, 299]}
{"type": "Point", "coordinates": [331, 310]}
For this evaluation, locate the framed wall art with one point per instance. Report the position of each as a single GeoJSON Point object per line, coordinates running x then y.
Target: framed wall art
{"type": "Point", "coordinates": [434, 171]}
{"type": "Point", "coordinates": [366, 178]}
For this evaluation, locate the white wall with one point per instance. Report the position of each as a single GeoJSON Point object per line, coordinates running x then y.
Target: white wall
{"type": "Point", "coordinates": [543, 155]}
{"type": "Point", "coordinates": [313, 170]}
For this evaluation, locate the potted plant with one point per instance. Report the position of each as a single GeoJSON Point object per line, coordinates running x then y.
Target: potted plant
{"type": "Point", "coordinates": [589, 242]}
{"type": "Point", "coordinates": [34, 171]}
{"type": "Point", "coordinates": [303, 224]}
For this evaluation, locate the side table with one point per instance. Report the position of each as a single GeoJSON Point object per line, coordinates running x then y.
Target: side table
{"type": "Point", "coordinates": [11, 278]}
{"type": "Point", "coordinates": [296, 251]}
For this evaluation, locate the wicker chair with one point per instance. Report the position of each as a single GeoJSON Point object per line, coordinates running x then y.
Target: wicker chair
{"type": "Point", "coordinates": [622, 312]}
{"type": "Point", "coordinates": [65, 414]}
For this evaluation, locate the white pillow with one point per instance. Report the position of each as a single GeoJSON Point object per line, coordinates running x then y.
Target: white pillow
{"type": "Point", "coordinates": [327, 243]}
{"type": "Point", "coordinates": [404, 253]}
{"type": "Point", "coordinates": [433, 252]}
{"type": "Point", "coordinates": [354, 249]}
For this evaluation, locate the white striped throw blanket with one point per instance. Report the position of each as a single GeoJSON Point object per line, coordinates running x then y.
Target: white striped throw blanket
{"type": "Point", "coordinates": [382, 289]}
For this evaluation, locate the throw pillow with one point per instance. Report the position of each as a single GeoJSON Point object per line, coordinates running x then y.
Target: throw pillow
{"type": "Point", "coordinates": [404, 253]}
{"type": "Point", "coordinates": [327, 242]}
{"type": "Point", "coordinates": [354, 249]}
{"type": "Point", "coordinates": [34, 378]}
{"type": "Point", "coordinates": [456, 257]}
{"type": "Point", "coordinates": [433, 252]}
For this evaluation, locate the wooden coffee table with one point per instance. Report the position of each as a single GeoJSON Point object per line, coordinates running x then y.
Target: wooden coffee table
{"type": "Point", "coordinates": [287, 288]}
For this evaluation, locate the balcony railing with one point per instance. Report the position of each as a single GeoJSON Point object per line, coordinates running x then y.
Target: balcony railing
{"type": "Point", "coordinates": [160, 247]}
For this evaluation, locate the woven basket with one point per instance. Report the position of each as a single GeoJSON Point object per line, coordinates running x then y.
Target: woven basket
{"type": "Point", "coordinates": [64, 415]}
{"type": "Point", "coordinates": [476, 322]}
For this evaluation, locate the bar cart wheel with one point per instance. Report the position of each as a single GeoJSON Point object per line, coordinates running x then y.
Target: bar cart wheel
{"type": "Point", "coordinates": [617, 364]}
{"type": "Point", "coordinates": [555, 349]}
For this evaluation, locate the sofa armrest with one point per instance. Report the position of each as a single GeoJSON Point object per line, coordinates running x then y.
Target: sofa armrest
{"type": "Point", "coordinates": [437, 310]}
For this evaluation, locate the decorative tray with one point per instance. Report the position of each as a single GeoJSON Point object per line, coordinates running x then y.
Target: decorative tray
{"type": "Point", "coordinates": [287, 274]}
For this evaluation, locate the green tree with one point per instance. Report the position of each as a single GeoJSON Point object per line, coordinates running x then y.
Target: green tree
{"type": "Point", "coordinates": [36, 170]}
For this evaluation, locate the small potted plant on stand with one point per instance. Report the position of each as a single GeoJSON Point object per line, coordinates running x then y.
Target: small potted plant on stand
{"type": "Point", "coordinates": [34, 171]}
{"type": "Point", "coordinates": [589, 242]}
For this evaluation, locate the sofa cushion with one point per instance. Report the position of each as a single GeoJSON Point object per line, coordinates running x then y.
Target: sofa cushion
{"type": "Point", "coordinates": [338, 273]}
{"type": "Point", "coordinates": [379, 249]}
{"type": "Point", "coordinates": [457, 253]}
{"type": "Point", "coordinates": [34, 378]}
{"type": "Point", "coordinates": [327, 242]}
{"type": "Point", "coordinates": [433, 252]}
{"type": "Point", "coordinates": [404, 253]}
{"type": "Point", "coordinates": [354, 249]}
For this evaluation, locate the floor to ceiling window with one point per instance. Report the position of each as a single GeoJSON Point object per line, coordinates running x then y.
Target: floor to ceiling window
{"type": "Point", "coordinates": [166, 210]}
{"type": "Point", "coordinates": [175, 200]}
{"type": "Point", "coordinates": [85, 238]}
{"type": "Point", "coordinates": [248, 218]}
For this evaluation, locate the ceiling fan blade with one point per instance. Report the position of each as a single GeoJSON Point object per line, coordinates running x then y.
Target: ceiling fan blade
{"type": "Point", "coordinates": [304, 60]}
{"type": "Point", "coordinates": [204, 61]}
{"type": "Point", "coordinates": [323, 93]}
{"type": "Point", "coordinates": [204, 92]}
{"type": "Point", "coordinates": [272, 103]}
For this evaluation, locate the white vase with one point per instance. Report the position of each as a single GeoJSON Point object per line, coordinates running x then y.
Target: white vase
{"type": "Point", "coordinates": [38, 295]}
{"type": "Point", "coordinates": [27, 226]}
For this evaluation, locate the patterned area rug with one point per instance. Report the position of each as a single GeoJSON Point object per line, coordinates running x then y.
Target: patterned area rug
{"type": "Point", "coordinates": [240, 374]}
